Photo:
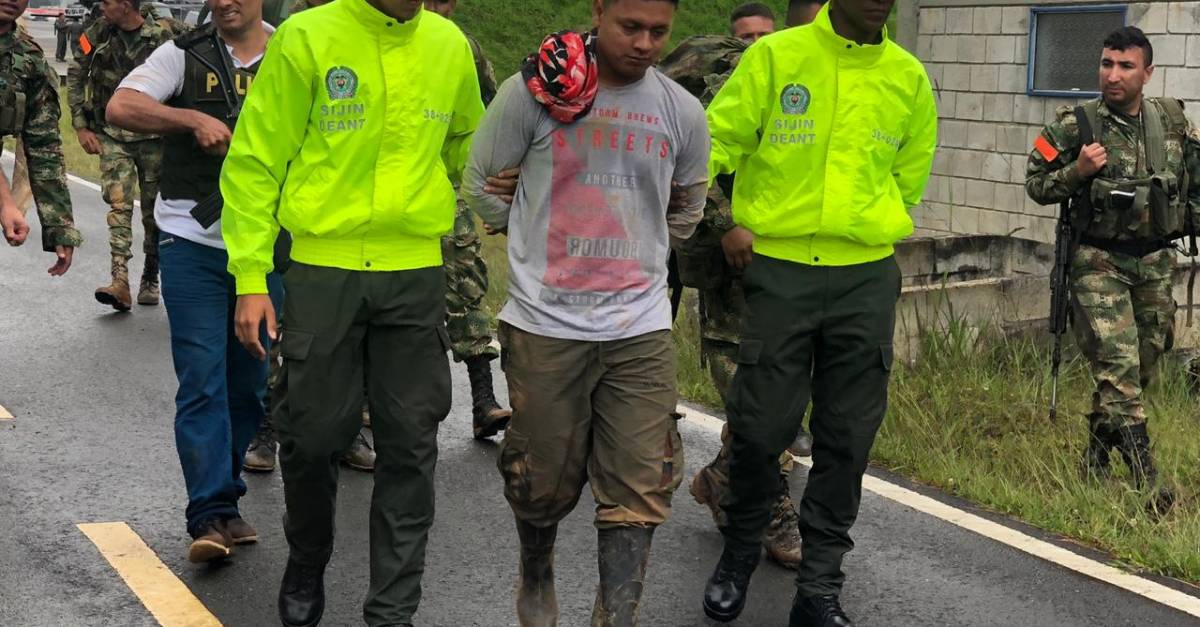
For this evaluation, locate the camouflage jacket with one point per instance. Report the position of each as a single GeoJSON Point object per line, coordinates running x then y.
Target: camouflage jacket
{"type": "Point", "coordinates": [106, 58]}
{"type": "Point", "coordinates": [702, 64]}
{"type": "Point", "coordinates": [1054, 180]}
{"type": "Point", "coordinates": [29, 108]}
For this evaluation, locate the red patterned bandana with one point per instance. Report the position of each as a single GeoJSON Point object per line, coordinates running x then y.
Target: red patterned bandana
{"type": "Point", "coordinates": [562, 74]}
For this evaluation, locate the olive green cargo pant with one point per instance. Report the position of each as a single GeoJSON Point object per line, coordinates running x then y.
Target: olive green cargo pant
{"type": "Point", "coordinates": [336, 320]}
{"type": "Point", "coordinates": [823, 333]}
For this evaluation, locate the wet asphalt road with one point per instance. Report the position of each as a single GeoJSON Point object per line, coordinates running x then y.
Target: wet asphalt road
{"type": "Point", "coordinates": [92, 390]}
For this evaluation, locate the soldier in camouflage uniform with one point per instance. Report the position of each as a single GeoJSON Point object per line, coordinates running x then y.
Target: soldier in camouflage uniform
{"type": "Point", "coordinates": [701, 65]}
{"type": "Point", "coordinates": [29, 110]}
{"type": "Point", "coordinates": [467, 322]}
{"type": "Point", "coordinates": [1136, 175]}
{"type": "Point", "coordinates": [110, 48]}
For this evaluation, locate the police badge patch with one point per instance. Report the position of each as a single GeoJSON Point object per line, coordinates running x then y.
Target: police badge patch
{"type": "Point", "coordinates": [341, 83]}
{"type": "Point", "coordinates": [795, 99]}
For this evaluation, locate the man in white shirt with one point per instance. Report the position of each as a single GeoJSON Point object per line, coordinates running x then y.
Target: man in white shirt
{"type": "Point", "coordinates": [190, 91]}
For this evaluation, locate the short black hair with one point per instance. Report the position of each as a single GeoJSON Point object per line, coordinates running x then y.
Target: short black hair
{"type": "Point", "coordinates": [674, 2]}
{"type": "Point", "coordinates": [1128, 37]}
{"type": "Point", "coordinates": [751, 9]}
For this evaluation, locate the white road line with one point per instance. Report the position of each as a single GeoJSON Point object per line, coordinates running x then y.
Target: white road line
{"type": "Point", "coordinates": [8, 155]}
{"type": "Point", "coordinates": [1022, 542]}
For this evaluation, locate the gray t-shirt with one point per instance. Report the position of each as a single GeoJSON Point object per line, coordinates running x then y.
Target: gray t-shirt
{"type": "Point", "coordinates": [589, 230]}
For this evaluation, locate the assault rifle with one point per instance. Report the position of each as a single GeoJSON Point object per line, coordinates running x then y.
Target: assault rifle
{"type": "Point", "coordinates": [1073, 218]}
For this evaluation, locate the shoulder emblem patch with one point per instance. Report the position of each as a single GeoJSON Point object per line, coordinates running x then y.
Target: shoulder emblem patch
{"type": "Point", "coordinates": [341, 82]}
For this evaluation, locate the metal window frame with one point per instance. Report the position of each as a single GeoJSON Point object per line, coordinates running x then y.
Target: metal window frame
{"type": "Point", "coordinates": [1034, 12]}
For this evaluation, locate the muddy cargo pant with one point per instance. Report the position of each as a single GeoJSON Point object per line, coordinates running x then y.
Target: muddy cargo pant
{"type": "Point", "coordinates": [598, 412]}
{"type": "Point", "coordinates": [823, 333]}
{"type": "Point", "coordinates": [335, 319]}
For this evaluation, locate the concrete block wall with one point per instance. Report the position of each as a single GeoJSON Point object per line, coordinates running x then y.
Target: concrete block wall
{"type": "Point", "coordinates": [977, 53]}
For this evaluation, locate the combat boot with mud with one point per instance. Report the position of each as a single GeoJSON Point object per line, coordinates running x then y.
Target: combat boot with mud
{"type": "Point", "coordinates": [261, 454]}
{"type": "Point", "coordinates": [148, 288]}
{"type": "Point", "coordinates": [1135, 450]}
{"type": "Point", "coordinates": [711, 483]}
{"type": "Point", "coordinates": [116, 294]}
{"type": "Point", "coordinates": [537, 602]}
{"type": "Point", "coordinates": [622, 555]}
{"type": "Point", "coordinates": [487, 416]}
{"type": "Point", "coordinates": [782, 537]}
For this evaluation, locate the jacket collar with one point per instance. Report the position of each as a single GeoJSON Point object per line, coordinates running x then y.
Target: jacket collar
{"type": "Point", "coordinates": [382, 24]}
{"type": "Point", "coordinates": [844, 47]}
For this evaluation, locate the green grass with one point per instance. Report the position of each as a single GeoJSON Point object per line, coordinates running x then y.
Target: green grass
{"type": "Point", "coordinates": [970, 418]}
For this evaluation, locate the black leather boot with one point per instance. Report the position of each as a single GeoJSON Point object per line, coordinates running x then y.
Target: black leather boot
{"type": "Point", "coordinates": [622, 553]}
{"type": "Point", "coordinates": [822, 611]}
{"type": "Point", "coordinates": [725, 594]}
{"type": "Point", "coordinates": [487, 416]}
{"type": "Point", "coordinates": [302, 595]}
{"type": "Point", "coordinates": [1096, 456]}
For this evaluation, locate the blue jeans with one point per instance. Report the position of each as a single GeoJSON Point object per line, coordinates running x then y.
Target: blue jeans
{"type": "Point", "coordinates": [220, 401]}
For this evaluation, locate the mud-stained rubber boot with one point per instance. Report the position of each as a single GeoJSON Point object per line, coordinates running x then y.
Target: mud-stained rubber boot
{"type": "Point", "coordinates": [537, 602]}
{"type": "Point", "coordinates": [487, 416]}
{"type": "Point", "coordinates": [623, 553]}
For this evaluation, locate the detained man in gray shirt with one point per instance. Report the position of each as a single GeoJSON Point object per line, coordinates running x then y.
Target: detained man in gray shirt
{"type": "Point", "coordinates": [599, 136]}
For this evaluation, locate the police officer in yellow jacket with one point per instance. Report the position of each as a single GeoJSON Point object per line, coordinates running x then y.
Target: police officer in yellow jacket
{"type": "Point", "coordinates": [831, 128]}
{"type": "Point", "coordinates": [387, 79]}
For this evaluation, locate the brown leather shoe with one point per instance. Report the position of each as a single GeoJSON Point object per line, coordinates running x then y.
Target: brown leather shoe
{"type": "Point", "coordinates": [212, 542]}
{"type": "Point", "coordinates": [116, 295]}
{"type": "Point", "coordinates": [240, 531]}
{"type": "Point", "coordinates": [360, 456]}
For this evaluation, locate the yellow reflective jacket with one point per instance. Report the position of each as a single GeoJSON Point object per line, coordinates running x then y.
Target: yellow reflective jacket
{"type": "Point", "coordinates": [350, 138]}
{"type": "Point", "coordinates": [832, 142]}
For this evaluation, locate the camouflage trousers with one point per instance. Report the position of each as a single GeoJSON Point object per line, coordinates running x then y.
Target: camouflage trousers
{"type": "Point", "coordinates": [469, 325]}
{"type": "Point", "coordinates": [1124, 317]}
{"type": "Point", "coordinates": [722, 309]}
{"type": "Point", "coordinates": [122, 166]}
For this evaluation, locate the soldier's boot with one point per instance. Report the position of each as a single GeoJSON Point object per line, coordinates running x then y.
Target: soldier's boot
{"type": "Point", "coordinates": [711, 483]}
{"type": "Point", "coordinates": [782, 538]}
{"type": "Point", "coordinates": [260, 455]}
{"type": "Point", "coordinates": [1135, 450]}
{"type": "Point", "coordinates": [148, 288]}
{"type": "Point", "coordinates": [802, 445]}
{"type": "Point", "coordinates": [116, 294]}
{"type": "Point", "coordinates": [1097, 461]}
{"type": "Point", "coordinates": [622, 554]}
{"type": "Point", "coordinates": [487, 416]}
{"type": "Point", "coordinates": [361, 455]}
{"type": "Point", "coordinates": [726, 590]}
{"type": "Point", "coordinates": [537, 602]}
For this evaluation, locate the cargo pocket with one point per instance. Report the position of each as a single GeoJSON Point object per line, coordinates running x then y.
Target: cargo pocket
{"type": "Point", "coordinates": [296, 345]}
{"type": "Point", "coordinates": [513, 463]}
{"type": "Point", "coordinates": [672, 463]}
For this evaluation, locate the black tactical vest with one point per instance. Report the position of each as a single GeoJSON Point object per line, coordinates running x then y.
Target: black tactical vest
{"type": "Point", "coordinates": [187, 171]}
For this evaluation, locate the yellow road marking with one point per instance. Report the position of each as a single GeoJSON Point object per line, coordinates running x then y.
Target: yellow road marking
{"type": "Point", "coordinates": [163, 594]}
{"type": "Point", "coordinates": [1022, 542]}
{"type": "Point", "coordinates": [4, 414]}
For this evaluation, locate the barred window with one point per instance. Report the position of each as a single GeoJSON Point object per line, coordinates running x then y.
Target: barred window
{"type": "Point", "coordinates": [1065, 45]}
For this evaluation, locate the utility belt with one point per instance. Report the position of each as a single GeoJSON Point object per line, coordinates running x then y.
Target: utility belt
{"type": "Point", "coordinates": [1132, 248]}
